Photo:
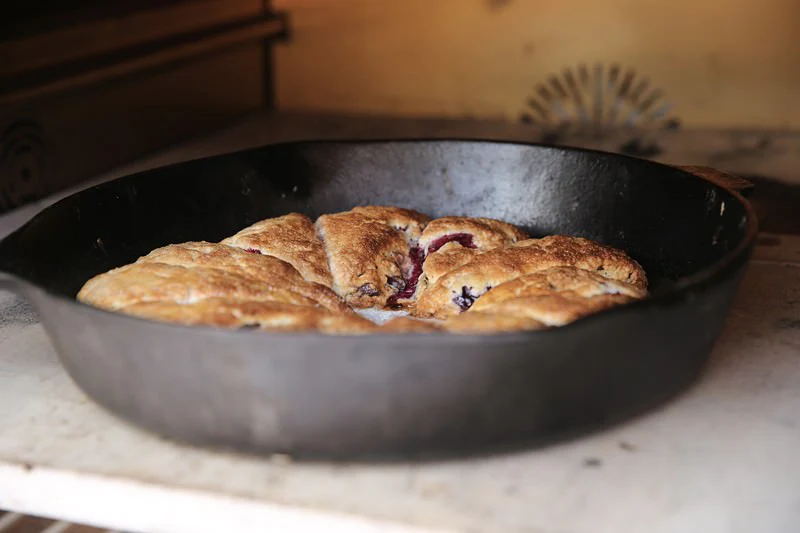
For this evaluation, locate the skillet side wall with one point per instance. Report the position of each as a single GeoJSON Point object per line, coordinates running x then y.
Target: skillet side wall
{"type": "Point", "coordinates": [388, 397]}
{"type": "Point", "coordinates": [323, 396]}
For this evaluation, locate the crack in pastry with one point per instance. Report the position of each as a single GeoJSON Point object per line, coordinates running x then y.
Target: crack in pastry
{"type": "Point", "coordinates": [449, 242]}
{"type": "Point", "coordinates": [291, 238]}
{"type": "Point", "coordinates": [370, 251]}
{"type": "Point", "coordinates": [457, 290]}
{"type": "Point", "coordinates": [406, 286]}
{"type": "Point", "coordinates": [469, 232]}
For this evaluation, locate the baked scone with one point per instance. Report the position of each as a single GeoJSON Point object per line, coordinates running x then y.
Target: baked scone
{"type": "Point", "coordinates": [469, 275]}
{"type": "Point", "coordinates": [242, 314]}
{"type": "Point", "coordinates": [291, 238]}
{"type": "Point", "coordinates": [583, 253]}
{"type": "Point", "coordinates": [578, 282]}
{"type": "Point", "coordinates": [372, 252]}
{"type": "Point", "coordinates": [554, 309]}
{"type": "Point", "coordinates": [159, 282]}
{"type": "Point", "coordinates": [185, 273]}
{"type": "Point", "coordinates": [450, 242]}
{"type": "Point", "coordinates": [457, 290]}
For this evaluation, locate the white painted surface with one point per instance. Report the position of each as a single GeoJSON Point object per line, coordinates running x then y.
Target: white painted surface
{"type": "Point", "coordinates": [720, 458]}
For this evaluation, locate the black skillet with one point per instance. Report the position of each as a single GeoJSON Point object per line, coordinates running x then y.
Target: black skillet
{"type": "Point", "coordinates": [312, 395]}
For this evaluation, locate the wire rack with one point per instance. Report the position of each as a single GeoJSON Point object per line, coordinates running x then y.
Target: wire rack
{"type": "Point", "coordinates": [11, 522]}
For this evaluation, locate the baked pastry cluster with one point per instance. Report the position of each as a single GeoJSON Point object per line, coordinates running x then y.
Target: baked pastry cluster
{"type": "Point", "coordinates": [451, 274]}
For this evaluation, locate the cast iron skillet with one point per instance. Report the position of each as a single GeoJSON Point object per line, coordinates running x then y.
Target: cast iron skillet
{"type": "Point", "coordinates": [318, 396]}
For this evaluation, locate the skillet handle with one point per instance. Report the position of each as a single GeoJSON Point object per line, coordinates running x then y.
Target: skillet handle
{"type": "Point", "coordinates": [723, 179]}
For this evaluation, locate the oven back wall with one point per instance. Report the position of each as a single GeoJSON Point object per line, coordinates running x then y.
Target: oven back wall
{"type": "Point", "coordinates": [721, 64]}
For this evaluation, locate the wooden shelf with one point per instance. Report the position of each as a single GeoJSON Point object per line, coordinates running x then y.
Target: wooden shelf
{"type": "Point", "coordinates": [61, 37]}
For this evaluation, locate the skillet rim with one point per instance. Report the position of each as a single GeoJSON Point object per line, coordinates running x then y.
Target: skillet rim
{"type": "Point", "coordinates": [679, 289]}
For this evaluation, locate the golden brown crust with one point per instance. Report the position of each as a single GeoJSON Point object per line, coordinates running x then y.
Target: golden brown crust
{"type": "Point", "coordinates": [407, 221]}
{"type": "Point", "coordinates": [474, 235]}
{"type": "Point", "coordinates": [367, 250]}
{"type": "Point", "coordinates": [531, 283]}
{"type": "Point", "coordinates": [486, 233]}
{"type": "Point", "coordinates": [407, 324]}
{"type": "Point", "coordinates": [459, 288]}
{"type": "Point", "coordinates": [480, 322]}
{"type": "Point", "coordinates": [578, 282]}
{"type": "Point", "coordinates": [159, 282]}
{"type": "Point", "coordinates": [589, 255]}
{"type": "Point", "coordinates": [446, 259]}
{"type": "Point", "coordinates": [264, 315]}
{"type": "Point", "coordinates": [555, 309]}
{"type": "Point", "coordinates": [552, 297]}
{"type": "Point", "coordinates": [291, 238]}
{"type": "Point", "coordinates": [196, 270]}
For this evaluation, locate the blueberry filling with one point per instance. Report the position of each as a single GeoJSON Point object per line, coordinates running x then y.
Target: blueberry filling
{"type": "Point", "coordinates": [465, 300]}
{"type": "Point", "coordinates": [253, 251]}
{"type": "Point", "coordinates": [396, 282]}
{"type": "Point", "coordinates": [412, 272]}
{"type": "Point", "coordinates": [464, 239]}
{"type": "Point", "coordinates": [368, 289]}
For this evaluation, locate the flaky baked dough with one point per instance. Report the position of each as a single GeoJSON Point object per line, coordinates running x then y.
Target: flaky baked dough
{"type": "Point", "coordinates": [463, 285]}
{"type": "Point", "coordinates": [485, 234]}
{"type": "Point", "coordinates": [582, 283]}
{"type": "Point", "coordinates": [249, 314]}
{"type": "Point", "coordinates": [368, 249]}
{"type": "Point", "coordinates": [291, 238]}
{"type": "Point", "coordinates": [476, 275]}
{"type": "Point", "coordinates": [482, 322]}
{"type": "Point", "coordinates": [188, 272]}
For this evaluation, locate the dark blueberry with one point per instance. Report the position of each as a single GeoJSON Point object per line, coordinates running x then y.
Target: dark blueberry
{"type": "Point", "coordinates": [250, 326]}
{"type": "Point", "coordinates": [409, 286]}
{"type": "Point", "coordinates": [368, 289]}
{"type": "Point", "coordinates": [465, 300]}
{"type": "Point", "coordinates": [395, 282]}
{"type": "Point", "coordinates": [253, 251]}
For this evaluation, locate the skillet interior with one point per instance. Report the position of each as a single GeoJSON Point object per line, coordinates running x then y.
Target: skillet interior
{"type": "Point", "coordinates": [673, 223]}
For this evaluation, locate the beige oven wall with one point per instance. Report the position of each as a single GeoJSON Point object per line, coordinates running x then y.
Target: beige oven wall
{"type": "Point", "coordinates": [731, 63]}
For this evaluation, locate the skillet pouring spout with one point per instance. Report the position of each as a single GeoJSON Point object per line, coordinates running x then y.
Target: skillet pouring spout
{"type": "Point", "coordinates": [404, 395]}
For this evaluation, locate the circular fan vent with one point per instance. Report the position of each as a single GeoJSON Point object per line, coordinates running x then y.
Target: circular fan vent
{"type": "Point", "coordinates": [598, 98]}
